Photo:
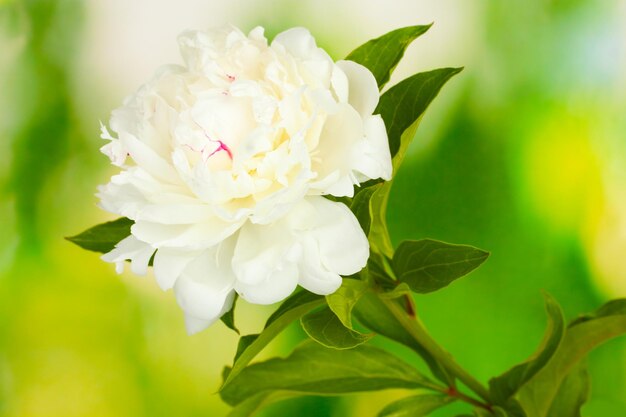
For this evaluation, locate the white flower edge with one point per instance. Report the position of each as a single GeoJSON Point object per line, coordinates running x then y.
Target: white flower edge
{"type": "Point", "coordinates": [317, 242]}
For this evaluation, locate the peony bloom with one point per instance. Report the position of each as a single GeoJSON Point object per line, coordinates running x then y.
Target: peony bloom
{"type": "Point", "coordinates": [225, 162]}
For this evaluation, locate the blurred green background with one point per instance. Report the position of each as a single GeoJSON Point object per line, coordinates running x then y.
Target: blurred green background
{"type": "Point", "coordinates": [523, 154]}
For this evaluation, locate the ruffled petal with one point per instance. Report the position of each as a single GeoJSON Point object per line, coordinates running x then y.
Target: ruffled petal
{"type": "Point", "coordinates": [314, 276]}
{"type": "Point", "coordinates": [264, 262]}
{"type": "Point", "coordinates": [343, 246]}
{"type": "Point", "coordinates": [205, 287]}
{"type": "Point", "coordinates": [190, 236]}
{"type": "Point", "coordinates": [375, 158]}
{"type": "Point", "coordinates": [297, 41]}
{"type": "Point", "coordinates": [133, 250]}
{"type": "Point", "coordinates": [169, 264]}
{"type": "Point", "coordinates": [363, 92]}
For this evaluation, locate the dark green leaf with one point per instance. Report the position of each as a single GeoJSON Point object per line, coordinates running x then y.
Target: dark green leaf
{"type": "Point", "coordinates": [342, 301]}
{"type": "Point", "coordinates": [361, 207]}
{"type": "Point", "coordinates": [315, 370]}
{"type": "Point", "coordinates": [229, 318]}
{"type": "Point", "coordinates": [373, 314]}
{"type": "Point", "coordinates": [291, 309]}
{"type": "Point", "coordinates": [538, 394]}
{"type": "Point", "coordinates": [103, 237]}
{"type": "Point", "coordinates": [572, 394]}
{"type": "Point", "coordinates": [403, 104]}
{"type": "Point", "coordinates": [429, 265]}
{"type": "Point", "coordinates": [382, 55]}
{"type": "Point", "coordinates": [324, 327]}
{"type": "Point", "coordinates": [415, 406]}
{"type": "Point", "coordinates": [506, 385]}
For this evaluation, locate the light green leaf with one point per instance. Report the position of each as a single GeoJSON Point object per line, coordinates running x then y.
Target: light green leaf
{"type": "Point", "coordinates": [382, 55]}
{"type": "Point", "coordinates": [378, 232]}
{"type": "Point", "coordinates": [229, 318]}
{"type": "Point", "coordinates": [504, 386]}
{"type": "Point", "coordinates": [573, 393]}
{"type": "Point", "coordinates": [325, 328]}
{"type": "Point", "coordinates": [291, 309]}
{"type": "Point", "coordinates": [538, 394]}
{"type": "Point", "coordinates": [401, 290]}
{"type": "Point", "coordinates": [315, 370]}
{"type": "Point", "coordinates": [406, 102]}
{"type": "Point", "coordinates": [373, 314]}
{"type": "Point", "coordinates": [103, 237]}
{"type": "Point", "coordinates": [342, 301]}
{"type": "Point", "coordinates": [429, 265]}
{"type": "Point", "coordinates": [415, 406]}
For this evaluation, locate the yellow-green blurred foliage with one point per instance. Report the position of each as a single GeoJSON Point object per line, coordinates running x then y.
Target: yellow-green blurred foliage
{"type": "Point", "coordinates": [523, 154]}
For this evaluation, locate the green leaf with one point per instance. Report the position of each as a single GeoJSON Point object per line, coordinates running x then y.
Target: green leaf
{"type": "Point", "coordinates": [382, 55]}
{"type": "Point", "coordinates": [506, 385]}
{"type": "Point", "coordinates": [361, 207]}
{"type": "Point", "coordinates": [325, 328]}
{"type": "Point", "coordinates": [342, 301]}
{"type": "Point", "coordinates": [401, 290]}
{"type": "Point", "coordinates": [573, 393]}
{"type": "Point", "coordinates": [229, 318]}
{"type": "Point", "coordinates": [379, 271]}
{"type": "Point", "coordinates": [539, 393]}
{"type": "Point", "coordinates": [378, 232]}
{"type": "Point", "coordinates": [291, 309]}
{"type": "Point", "coordinates": [315, 370]}
{"type": "Point", "coordinates": [373, 314]}
{"type": "Point", "coordinates": [103, 237]}
{"type": "Point", "coordinates": [403, 104]}
{"type": "Point", "coordinates": [429, 265]}
{"type": "Point", "coordinates": [611, 308]}
{"type": "Point", "coordinates": [251, 405]}
{"type": "Point", "coordinates": [415, 406]}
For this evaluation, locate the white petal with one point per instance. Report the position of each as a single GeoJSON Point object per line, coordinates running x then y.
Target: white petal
{"type": "Point", "coordinates": [169, 264]}
{"type": "Point", "coordinates": [205, 286]}
{"type": "Point", "coordinates": [192, 236]}
{"type": "Point", "coordinates": [373, 158]}
{"type": "Point", "coordinates": [363, 90]}
{"type": "Point", "coordinates": [194, 325]}
{"type": "Point", "coordinates": [260, 250]}
{"type": "Point", "coordinates": [264, 261]}
{"type": "Point", "coordinates": [334, 153]}
{"type": "Point", "coordinates": [175, 213]}
{"type": "Point", "coordinates": [148, 159]}
{"type": "Point", "coordinates": [297, 41]}
{"type": "Point", "coordinates": [343, 246]}
{"type": "Point", "coordinates": [130, 248]}
{"type": "Point", "coordinates": [313, 274]}
{"type": "Point", "coordinates": [276, 286]}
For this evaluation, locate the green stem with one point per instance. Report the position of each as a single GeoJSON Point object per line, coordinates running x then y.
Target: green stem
{"type": "Point", "coordinates": [415, 328]}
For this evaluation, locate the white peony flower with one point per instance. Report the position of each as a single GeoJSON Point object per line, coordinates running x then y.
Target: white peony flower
{"type": "Point", "coordinates": [225, 161]}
